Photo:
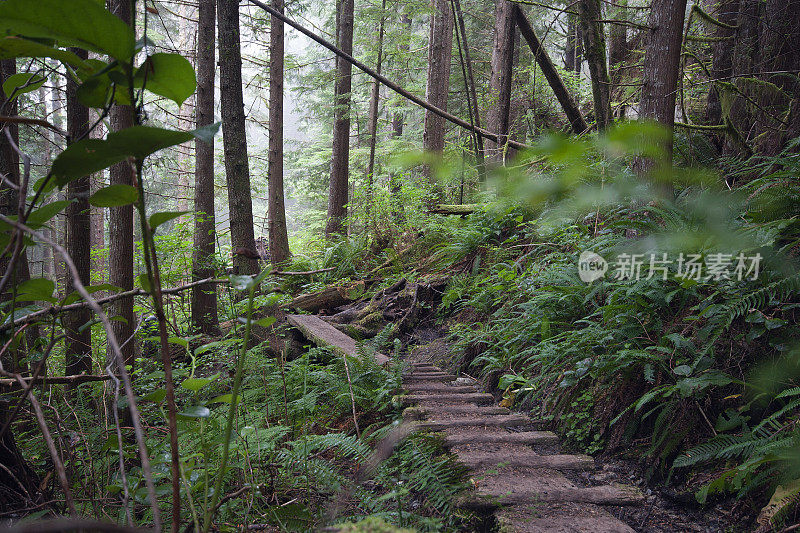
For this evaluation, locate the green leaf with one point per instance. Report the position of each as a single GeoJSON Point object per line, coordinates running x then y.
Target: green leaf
{"type": "Point", "coordinates": [36, 289]}
{"type": "Point", "coordinates": [114, 196]}
{"type": "Point", "coordinates": [224, 398]}
{"type": "Point", "coordinates": [91, 289]}
{"type": "Point", "coordinates": [195, 384]}
{"type": "Point", "coordinates": [82, 23]}
{"type": "Point", "coordinates": [195, 411]}
{"type": "Point", "coordinates": [240, 281]}
{"type": "Point", "coordinates": [682, 370]}
{"type": "Point", "coordinates": [144, 282]}
{"type": "Point", "coordinates": [156, 396]}
{"type": "Point", "coordinates": [12, 47]}
{"type": "Point", "coordinates": [167, 75]}
{"type": "Point", "coordinates": [22, 83]}
{"type": "Point", "coordinates": [265, 322]}
{"type": "Point", "coordinates": [40, 216]}
{"type": "Point", "coordinates": [92, 155]}
{"type": "Point", "coordinates": [180, 341]}
{"type": "Point", "coordinates": [157, 219]}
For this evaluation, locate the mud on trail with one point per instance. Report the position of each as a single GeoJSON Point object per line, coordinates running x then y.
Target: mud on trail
{"type": "Point", "coordinates": [521, 477]}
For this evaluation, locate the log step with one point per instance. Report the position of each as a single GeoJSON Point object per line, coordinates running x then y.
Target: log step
{"type": "Point", "coordinates": [490, 421]}
{"type": "Point", "coordinates": [525, 459]}
{"type": "Point", "coordinates": [482, 437]}
{"type": "Point", "coordinates": [474, 397]}
{"type": "Point", "coordinates": [601, 523]}
{"type": "Point", "coordinates": [429, 377]}
{"type": "Point", "coordinates": [600, 495]}
{"type": "Point", "coordinates": [467, 409]}
{"type": "Point", "coordinates": [438, 387]}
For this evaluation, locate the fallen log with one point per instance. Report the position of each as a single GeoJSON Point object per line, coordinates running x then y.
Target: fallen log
{"type": "Point", "coordinates": [453, 209]}
{"type": "Point", "coordinates": [330, 297]}
{"type": "Point", "coordinates": [323, 334]}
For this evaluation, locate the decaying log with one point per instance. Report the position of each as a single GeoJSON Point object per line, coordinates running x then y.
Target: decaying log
{"type": "Point", "coordinates": [329, 297]}
{"type": "Point", "coordinates": [455, 209]}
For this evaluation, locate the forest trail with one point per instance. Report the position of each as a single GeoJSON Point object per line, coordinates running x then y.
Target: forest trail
{"type": "Point", "coordinates": [516, 470]}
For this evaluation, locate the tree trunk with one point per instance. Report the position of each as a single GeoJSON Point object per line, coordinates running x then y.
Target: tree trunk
{"type": "Point", "coordinates": [440, 49]}
{"type": "Point", "coordinates": [618, 51]}
{"type": "Point", "coordinates": [204, 299]}
{"type": "Point", "coordinates": [9, 206]}
{"type": "Point", "coordinates": [372, 126]}
{"type": "Point", "coordinates": [187, 35]}
{"type": "Point", "coordinates": [573, 52]}
{"type": "Point", "coordinates": [278, 235]}
{"type": "Point", "coordinates": [574, 116]}
{"type": "Point", "coordinates": [120, 220]}
{"type": "Point", "coordinates": [98, 214]}
{"type": "Point", "coordinates": [234, 138]}
{"type": "Point", "coordinates": [661, 68]}
{"type": "Point", "coordinates": [498, 115]}
{"type": "Point", "coordinates": [398, 117]}
{"type": "Point", "coordinates": [340, 159]}
{"type": "Point", "coordinates": [472, 93]}
{"type": "Point", "coordinates": [78, 345]}
{"type": "Point", "coordinates": [594, 46]}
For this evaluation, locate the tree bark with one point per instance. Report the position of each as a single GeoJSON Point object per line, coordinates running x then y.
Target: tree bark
{"type": "Point", "coordinates": [120, 220]}
{"type": "Point", "coordinates": [618, 51]}
{"type": "Point", "coordinates": [372, 126]}
{"type": "Point", "coordinates": [204, 298]}
{"type": "Point", "coordinates": [573, 52]}
{"type": "Point", "coordinates": [340, 158]}
{"type": "Point", "coordinates": [440, 50]}
{"type": "Point", "coordinates": [9, 203]}
{"type": "Point", "coordinates": [78, 345]}
{"type": "Point", "coordinates": [574, 116]}
{"type": "Point", "coordinates": [234, 138]}
{"type": "Point", "coordinates": [278, 234]}
{"type": "Point", "coordinates": [499, 112]}
{"type": "Point", "coordinates": [594, 46]}
{"type": "Point", "coordinates": [661, 69]}
{"type": "Point", "coordinates": [395, 186]}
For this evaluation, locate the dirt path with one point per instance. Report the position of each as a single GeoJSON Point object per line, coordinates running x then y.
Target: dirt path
{"type": "Point", "coordinates": [517, 470]}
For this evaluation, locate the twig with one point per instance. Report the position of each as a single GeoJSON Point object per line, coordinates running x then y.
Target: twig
{"type": "Point", "coordinates": [32, 121]}
{"type": "Point", "coordinates": [108, 299]}
{"type": "Point", "coordinates": [115, 350]}
{"type": "Point", "coordinates": [51, 447]}
{"type": "Point", "coordinates": [56, 380]}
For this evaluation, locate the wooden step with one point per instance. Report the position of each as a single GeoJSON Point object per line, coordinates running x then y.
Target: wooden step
{"type": "Point", "coordinates": [467, 409]}
{"type": "Point", "coordinates": [438, 376]}
{"type": "Point", "coordinates": [523, 437]}
{"type": "Point", "coordinates": [463, 398]}
{"type": "Point", "coordinates": [600, 495]}
{"type": "Point", "coordinates": [488, 421]}
{"type": "Point", "coordinates": [438, 387]}
{"type": "Point", "coordinates": [524, 458]}
{"type": "Point", "coordinates": [516, 522]}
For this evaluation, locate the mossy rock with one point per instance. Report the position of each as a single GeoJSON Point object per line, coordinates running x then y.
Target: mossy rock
{"type": "Point", "coordinates": [371, 524]}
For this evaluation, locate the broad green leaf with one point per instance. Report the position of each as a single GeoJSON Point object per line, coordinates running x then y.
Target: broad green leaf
{"type": "Point", "coordinates": [36, 289]}
{"type": "Point", "coordinates": [195, 384]}
{"type": "Point", "coordinates": [157, 219]}
{"type": "Point", "coordinates": [224, 398]}
{"type": "Point", "coordinates": [167, 75]}
{"type": "Point", "coordinates": [144, 282]}
{"type": "Point", "coordinates": [22, 83]}
{"type": "Point", "coordinates": [240, 281]}
{"type": "Point", "coordinates": [265, 322]}
{"type": "Point", "coordinates": [195, 411]}
{"type": "Point", "coordinates": [92, 155]}
{"type": "Point", "coordinates": [40, 216]}
{"type": "Point", "coordinates": [82, 23]}
{"type": "Point", "coordinates": [180, 341]}
{"type": "Point", "coordinates": [114, 196]}
{"type": "Point", "coordinates": [12, 47]}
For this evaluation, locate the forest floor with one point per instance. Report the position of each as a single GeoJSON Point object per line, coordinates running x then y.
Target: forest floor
{"type": "Point", "coordinates": [523, 480]}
